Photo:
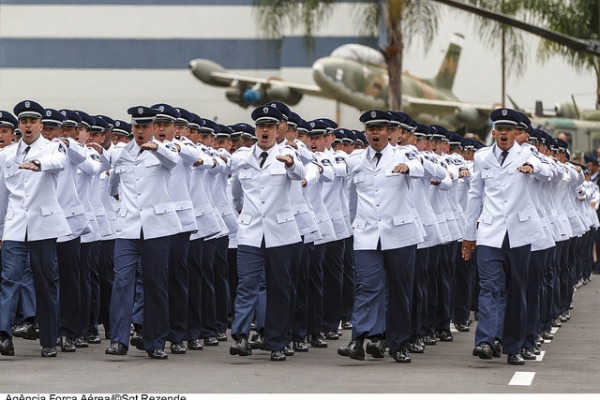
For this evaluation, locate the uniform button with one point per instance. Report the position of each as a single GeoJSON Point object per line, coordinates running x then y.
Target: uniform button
{"type": "Point", "coordinates": [379, 219]}
{"type": "Point", "coordinates": [262, 187]}
{"type": "Point", "coordinates": [140, 209]}
{"type": "Point", "coordinates": [139, 193]}
{"type": "Point", "coordinates": [263, 202]}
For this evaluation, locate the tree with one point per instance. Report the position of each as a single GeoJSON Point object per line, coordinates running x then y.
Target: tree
{"type": "Point", "coordinates": [403, 20]}
{"type": "Point", "coordinates": [577, 18]}
{"type": "Point", "coordinates": [511, 44]}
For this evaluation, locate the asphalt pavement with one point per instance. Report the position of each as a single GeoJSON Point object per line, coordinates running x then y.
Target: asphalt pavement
{"type": "Point", "coordinates": [569, 364]}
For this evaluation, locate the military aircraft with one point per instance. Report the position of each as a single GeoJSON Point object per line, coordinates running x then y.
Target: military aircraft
{"type": "Point", "coordinates": [357, 75]}
{"type": "Point", "coordinates": [582, 127]}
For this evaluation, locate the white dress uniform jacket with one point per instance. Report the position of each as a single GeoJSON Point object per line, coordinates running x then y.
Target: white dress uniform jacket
{"type": "Point", "coordinates": [142, 182]}
{"type": "Point", "coordinates": [28, 201]}
{"type": "Point", "coordinates": [179, 186]}
{"type": "Point", "coordinates": [383, 211]}
{"type": "Point", "coordinates": [508, 206]}
{"type": "Point", "coordinates": [267, 211]}
{"type": "Point", "coordinates": [68, 198]}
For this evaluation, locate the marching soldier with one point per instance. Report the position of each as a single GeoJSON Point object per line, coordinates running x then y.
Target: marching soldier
{"type": "Point", "coordinates": [502, 221]}
{"type": "Point", "coordinates": [267, 233]}
{"type": "Point", "coordinates": [32, 220]}
{"type": "Point", "coordinates": [385, 244]}
{"type": "Point", "coordinates": [145, 224]}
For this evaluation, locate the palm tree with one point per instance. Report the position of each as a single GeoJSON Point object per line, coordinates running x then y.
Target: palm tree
{"type": "Point", "coordinates": [577, 18]}
{"type": "Point", "coordinates": [403, 20]}
{"type": "Point", "coordinates": [512, 47]}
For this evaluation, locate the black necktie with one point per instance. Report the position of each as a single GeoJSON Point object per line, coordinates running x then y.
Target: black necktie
{"type": "Point", "coordinates": [264, 156]}
{"type": "Point", "coordinates": [503, 157]}
{"type": "Point", "coordinates": [378, 157]}
{"type": "Point", "coordinates": [26, 151]}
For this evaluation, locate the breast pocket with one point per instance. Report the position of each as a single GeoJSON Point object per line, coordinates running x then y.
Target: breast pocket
{"type": "Point", "coordinates": [245, 174]}
{"type": "Point", "coordinates": [152, 167]}
{"type": "Point", "coordinates": [392, 179]}
{"type": "Point", "coordinates": [488, 174]}
{"type": "Point", "coordinates": [277, 176]}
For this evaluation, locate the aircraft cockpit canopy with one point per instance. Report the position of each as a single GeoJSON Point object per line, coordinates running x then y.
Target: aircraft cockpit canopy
{"type": "Point", "coordinates": [359, 53]}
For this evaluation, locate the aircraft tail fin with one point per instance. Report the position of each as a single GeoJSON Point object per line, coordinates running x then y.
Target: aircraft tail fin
{"type": "Point", "coordinates": [445, 76]}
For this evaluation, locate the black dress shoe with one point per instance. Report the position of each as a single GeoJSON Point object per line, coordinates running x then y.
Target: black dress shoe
{"type": "Point", "coordinates": [515, 359]}
{"type": "Point", "coordinates": [497, 349]}
{"type": "Point", "coordinates": [48, 352]}
{"type": "Point", "coordinates": [401, 355]}
{"type": "Point", "coordinates": [211, 341]}
{"type": "Point", "coordinates": [414, 347]}
{"type": "Point", "coordinates": [137, 339]}
{"type": "Point", "coordinates": [376, 349]}
{"type": "Point", "coordinates": [429, 340]}
{"type": "Point", "coordinates": [318, 342]}
{"type": "Point", "coordinates": [354, 350]}
{"type": "Point", "coordinates": [116, 349]}
{"type": "Point", "coordinates": [528, 354]}
{"type": "Point", "coordinates": [346, 325]}
{"type": "Point", "coordinates": [66, 345]}
{"type": "Point", "coordinates": [445, 336]}
{"type": "Point", "coordinates": [289, 351]}
{"type": "Point", "coordinates": [536, 350]}
{"type": "Point", "coordinates": [300, 347]}
{"type": "Point", "coordinates": [484, 351]}
{"type": "Point", "coordinates": [195, 344]}
{"type": "Point", "coordinates": [178, 348]}
{"type": "Point", "coordinates": [26, 331]}
{"type": "Point", "coordinates": [547, 335]}
{"type": "Point", "coordinates": [257, 342]}
{"type": "Point", "coordinates": [332, 336]}
{"type": "Point", "coordinates": [557, 323]}
{"type": "Point", "coordinates": [94, 339]}
{"type": "Point", "coordinates": [462, 327]}
{"type": "Point", "coordinates": [222, 337]}
{"type": "Point", "coordinates": [158, 354]}
{"type": "Point", "coordinates": [241, 348]}
{"type": "Point", "coordinates": [278, 355]}
{"type": "Point", "coordinates": [81, 342]}
{"type": "Point", "coordinates": [6, 347]}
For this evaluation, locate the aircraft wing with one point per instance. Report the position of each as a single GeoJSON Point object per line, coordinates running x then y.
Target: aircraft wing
{"type": "Point", "coordinates": [247, 90]}
{"type": "Point", "coordinates": [443, 106]}
{"type": "Point", "coordinates": [228, 78]}
{"type": "Point", "coordinates": [455, 112]}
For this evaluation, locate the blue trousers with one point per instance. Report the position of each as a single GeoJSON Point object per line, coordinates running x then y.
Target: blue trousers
{"type": "Point", "coordinates": [275, 263]}
{"type": "Point", "coordinates": [464, 279]}
{"type": "Point", "coordinates": [433, 277]}
{"type": "Point", "coordinates": [503, 271]}
{"type": "Point", "coordinates": [300, 279]}
{"type": "Point", "coordinates": [446, 277]}
{"type": "Point", "coordinates": [26, 309]}
{"type": "Point", "coordinates": [419, 303]}
{"type": "Point", "coordinates": [315, 291]}
{"type": "Point", "coordinates": [90, 287]}
{"type": "Point", "coordinates": [42, 254]}
{"type": "Point", "coordinates": [178, 286]}
{"type": "Point", "coordinates": [377, 270]}
{"type": "Point", "coordinates": [68, 254]}
{"type": "Point", "coordinates": [348, 283]}
{"type": "Point", "coordinates": [537, 265]}
{"type": "Point", "coordinates": [107, 276]}
{"type": "Point", "coordinates": [333, 276]}
{"type": "Point", "coordinates": [221, 283]}
{"type": "Point", "coordinates": [154, 255]}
